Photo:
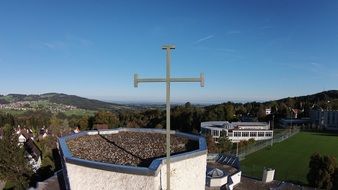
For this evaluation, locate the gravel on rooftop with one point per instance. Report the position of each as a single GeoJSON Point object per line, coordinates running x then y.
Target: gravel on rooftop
{"type": "Point", "coordinates": [128, 148]}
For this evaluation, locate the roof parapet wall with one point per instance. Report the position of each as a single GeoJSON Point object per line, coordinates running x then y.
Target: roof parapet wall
{"type": "Point", "coordinates": [151, 170]}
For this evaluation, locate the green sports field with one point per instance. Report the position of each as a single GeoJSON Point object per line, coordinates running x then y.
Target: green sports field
{"type": "Point", "coordinates": [291, 157]}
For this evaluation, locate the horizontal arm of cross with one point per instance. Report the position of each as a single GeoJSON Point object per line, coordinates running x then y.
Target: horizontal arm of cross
{"type": "Point", "coordinates": [140, 80]}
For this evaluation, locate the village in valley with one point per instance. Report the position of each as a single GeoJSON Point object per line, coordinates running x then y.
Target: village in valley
{"type": "Point", "coordinates": [35, 106]}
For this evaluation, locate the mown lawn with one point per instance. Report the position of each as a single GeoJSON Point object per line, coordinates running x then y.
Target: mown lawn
{"type": "Point", "coordinates": [291, 157]}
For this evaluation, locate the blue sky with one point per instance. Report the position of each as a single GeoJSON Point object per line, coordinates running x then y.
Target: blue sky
{"type": "Point", "coordinates": [248, 50]}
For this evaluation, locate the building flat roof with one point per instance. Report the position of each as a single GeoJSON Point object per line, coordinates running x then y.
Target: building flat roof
{"type": "Point", "coordinates": [233, 125]}
{"type": "Point", "coordinates": [249, 123]}
{"type": "Point", "coordinates": [132, 150]}
{"type": "Point", "coordinates": [212, 123]}
{"type": "Point", "coordinates": [128, 148]}
{"type": "Point", "coordinates": [258, 130]}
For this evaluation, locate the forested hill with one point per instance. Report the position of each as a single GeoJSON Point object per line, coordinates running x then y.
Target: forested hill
{"type": "Point", "coordinates": [321, 99]}
{"type": "Point", "coordinates": [325, 96]}
{"type": "Point", "coordinates": [59, 98]}
{"type": "Point", "coordinates": [325, 99]}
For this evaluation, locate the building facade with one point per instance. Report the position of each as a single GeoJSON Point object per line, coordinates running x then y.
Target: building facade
{"type": "Point", "coordinates": [292, 122]}
{"type": "Point", "coordinates": [326, 119]}
{"type": "Point", "coordinates": [237, 131]}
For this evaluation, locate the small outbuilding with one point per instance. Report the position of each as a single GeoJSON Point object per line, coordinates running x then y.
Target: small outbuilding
{"type": "Point", "coordinates": [216, 178]}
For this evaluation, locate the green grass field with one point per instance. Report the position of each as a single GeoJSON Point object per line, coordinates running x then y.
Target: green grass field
{"type": "Point", "coordinates": [79, 112]}
{"type": "Point", "coordinates": [291, 157]}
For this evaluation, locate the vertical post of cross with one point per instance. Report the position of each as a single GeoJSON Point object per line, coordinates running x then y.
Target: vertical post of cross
{"type": "Point", "coordinates": [168, 48]}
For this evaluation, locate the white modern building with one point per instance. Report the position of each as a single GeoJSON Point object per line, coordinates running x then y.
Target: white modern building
{"type": "Point", "coordinates": [326, 119]}
{"type": "Point", "coordinates": [237, 131]}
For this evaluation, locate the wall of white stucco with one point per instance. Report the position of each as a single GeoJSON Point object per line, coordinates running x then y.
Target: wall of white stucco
{"type": "Point", "coordinates": [83, 178]}
{"type": "Point", "coordinates": [185, 174]}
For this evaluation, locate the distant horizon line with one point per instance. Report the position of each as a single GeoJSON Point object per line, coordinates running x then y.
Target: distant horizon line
{"type": "Point", "coordinates": [157, 101]}
{"type": "Point", "coordinates": [175, 102]}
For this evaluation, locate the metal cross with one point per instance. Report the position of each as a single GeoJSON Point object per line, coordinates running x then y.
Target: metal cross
{"type": "Point", "coordinates": [168, 80]}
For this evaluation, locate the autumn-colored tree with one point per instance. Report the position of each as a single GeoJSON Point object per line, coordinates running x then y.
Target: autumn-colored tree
{"type": "Point", "coordinates": [83, 123]}
{"type": "Point", "coordinates": [59, 127]}
{"type": "Point", "coordinates": [106, 117]}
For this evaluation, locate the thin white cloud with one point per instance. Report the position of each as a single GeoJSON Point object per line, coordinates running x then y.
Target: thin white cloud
{"type": "Point", "coordinates": [316, 64]}
{"type": "Point", "coordinates": [85, 42]}
{"type": "Point", "coordinates": [233, 32]}
{"type": "Point", "coordinates": [49, 45]}
{"type": "Point", "coordinates": [315, 69]}
{"type": "Point", "coordinates": [54, 45]}
{"type": "Point", "coordinates": [265, 27]}
{"type": "Point", "coordinates": [78, 41]}
{"type": "Point", "coordinates": [70, 41]}
{"type": "Point", "coordinates": [227, 50]}
{"type": "Point", "coordinates": [204, 39]}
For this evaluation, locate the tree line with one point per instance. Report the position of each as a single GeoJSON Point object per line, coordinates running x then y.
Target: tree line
{"type": "Point", "coordinates": [186, 117]}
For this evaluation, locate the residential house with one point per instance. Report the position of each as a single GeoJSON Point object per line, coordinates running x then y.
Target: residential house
{"type": "Point", "coordinates": [33, 154]}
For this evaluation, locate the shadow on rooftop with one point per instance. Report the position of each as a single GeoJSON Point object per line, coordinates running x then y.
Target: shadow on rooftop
{"type": "Point", "coordinates": [191, 145]}
{"type": "Point", "coordinates": [143, 163]}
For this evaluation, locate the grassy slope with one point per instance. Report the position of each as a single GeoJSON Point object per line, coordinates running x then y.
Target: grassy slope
{"type": "Point", "coordinates": [59, 98]}
{"type": "Point", "coordinates": [291, 157]}
{"type": "Point", "coordinates": [79, 112]}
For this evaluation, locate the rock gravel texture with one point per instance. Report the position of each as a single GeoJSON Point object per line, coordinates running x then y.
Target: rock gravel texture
{"type": "Point", "coordinates": [128, 148]}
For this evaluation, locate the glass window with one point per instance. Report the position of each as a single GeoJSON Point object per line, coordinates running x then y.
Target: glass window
{"type": "Point", "coordinates": [215, 133]}
{"type": "Point", "coordinates": [245, 134]}
{"type": "Point", "coordinates": [268, 134]}
{"type": "Point", "coordinates": [237, 134]}
{"type": "Point", "coordinates": [253, 134]}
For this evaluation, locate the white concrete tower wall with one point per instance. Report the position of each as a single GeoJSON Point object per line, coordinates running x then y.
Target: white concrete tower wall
{"type": "Point", "coordinates": [185, 174]}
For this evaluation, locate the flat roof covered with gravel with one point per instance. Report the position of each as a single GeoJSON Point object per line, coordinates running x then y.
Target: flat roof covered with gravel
{"type": "Point", "coordinates": [128, 148]}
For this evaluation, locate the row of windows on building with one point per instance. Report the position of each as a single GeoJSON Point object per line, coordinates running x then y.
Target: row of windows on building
{"type": "Point", "coordinates": [217, 133]}
{"type": "Point", "coordinates": [252, 134]}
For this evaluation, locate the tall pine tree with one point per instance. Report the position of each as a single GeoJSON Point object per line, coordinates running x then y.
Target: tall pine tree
{"type": "Point", "coordinates": [13, 165]}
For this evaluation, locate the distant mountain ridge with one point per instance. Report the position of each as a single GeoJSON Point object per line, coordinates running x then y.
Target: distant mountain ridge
{"type": "Point", "coordinates": [60, 98]}
{"type": "Point", "coordinates": [92, 104]}
{"type": "Point", "coordinates": [330, 95]}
